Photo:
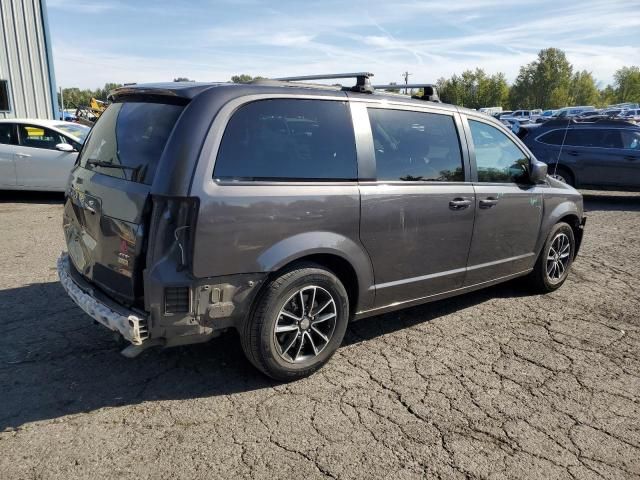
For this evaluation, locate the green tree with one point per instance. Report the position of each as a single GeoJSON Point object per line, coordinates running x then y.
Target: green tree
{"type": "Point", "coordinates": [627, 84]}
{"type": "Point", "coordinates": [543, 83]}
{"type": "Point", "coordinates": [244, 78]}
{"type": "Point", "coordinates": [583, 89]}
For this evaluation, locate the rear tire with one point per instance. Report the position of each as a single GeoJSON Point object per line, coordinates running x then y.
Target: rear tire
{"type": "Point", "coordinates": [297, 324]}
{"type": "Point", "coordinates": [553, 265]}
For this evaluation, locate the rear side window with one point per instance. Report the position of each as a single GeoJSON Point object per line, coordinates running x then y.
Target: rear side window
{"type": "Point", "coordinates": [287, 139]}
{"type": "Point", "coordinates": [415, 146]}
{"type": "Point", "coordinates": [131, 136]}
{"type": "Point", "coordinates": [8, 134]}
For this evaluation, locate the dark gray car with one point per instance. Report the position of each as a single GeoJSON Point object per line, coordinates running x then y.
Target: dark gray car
{"type": "Point", "coordinates": [285, 210]}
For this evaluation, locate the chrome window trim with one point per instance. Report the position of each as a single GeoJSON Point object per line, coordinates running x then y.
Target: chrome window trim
{"type": "Point", "coordinates": [537, 139]}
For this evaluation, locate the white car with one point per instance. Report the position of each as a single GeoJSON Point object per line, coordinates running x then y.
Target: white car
{"type": "Point", "coordinates": [38, 154]}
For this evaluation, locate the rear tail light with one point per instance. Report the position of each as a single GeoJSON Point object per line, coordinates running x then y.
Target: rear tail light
{"type": "Point", "coordinates": [172, 230]}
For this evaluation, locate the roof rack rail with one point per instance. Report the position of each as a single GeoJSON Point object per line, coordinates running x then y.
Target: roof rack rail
{"type": "Point", "coordinates": [430, 90]}
{"type": "Point", "coordinates": [362, 85]}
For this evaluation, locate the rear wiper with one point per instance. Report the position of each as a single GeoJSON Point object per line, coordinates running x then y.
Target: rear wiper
{"type": "Point", "coordinates": [100, 163]}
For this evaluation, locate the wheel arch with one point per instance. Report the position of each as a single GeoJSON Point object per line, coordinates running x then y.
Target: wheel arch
{"type": "Point", "coordinates": [344, 257]}
{"type": "Point", "coordinates": [567, 212]}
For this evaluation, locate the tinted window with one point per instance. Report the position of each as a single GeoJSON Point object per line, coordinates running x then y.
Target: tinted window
{"type": "Point", "coordinates": [4, 96]}
{"type": "Point", "coordinates": [132, 135]}
{"type": "Point", "coordinates": [289, 140]}
{"type": "Point", "coordinates": [631, 139]}
{"type": "Point", "coordinates": [34, 136]}
{"type": "Point", "coordinates": [415, 146]}
{"type": "Point", "coordinates": [553, 137]}
{"type": "Point", "coordinates": [498, 158]}
{"type": "Point", "coordinates": [8, 134]}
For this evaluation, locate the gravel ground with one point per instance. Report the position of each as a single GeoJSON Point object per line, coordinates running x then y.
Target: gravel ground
{"type": "Point", "coordinates": [495, 384]}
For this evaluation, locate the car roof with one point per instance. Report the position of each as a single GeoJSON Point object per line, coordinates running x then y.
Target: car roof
{"type": "Point", "coordinates": [184, 92]}
{"type": "Point", "coordinates": [190, 90]}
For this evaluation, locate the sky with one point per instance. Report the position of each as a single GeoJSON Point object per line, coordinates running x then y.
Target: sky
{"type": "Point", "coordinates": [100, 41]}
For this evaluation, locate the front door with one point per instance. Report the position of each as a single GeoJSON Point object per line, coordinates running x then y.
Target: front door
{"type": "Point", "coordinates": [39, 164]}
{"type": "Point", "coordinates": [508, 208]}
{"type": "Point", "coordinates": [8, 145]}
{"type": "Point", "coordinates": [417, 215]}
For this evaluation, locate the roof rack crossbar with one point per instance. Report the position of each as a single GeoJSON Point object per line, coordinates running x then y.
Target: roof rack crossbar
{"type": "Point", "coordinates": [401, 86]}
{"type": "Point", "coordinates": [430, 91]}
{"type": "Point", "coordinates": [362, 79]}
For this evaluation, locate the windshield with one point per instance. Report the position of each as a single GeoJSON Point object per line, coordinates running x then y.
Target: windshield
{"type": "Point", "coordinates": [132, 135]}
{"type": "Point", "coordinates": [78, 131]}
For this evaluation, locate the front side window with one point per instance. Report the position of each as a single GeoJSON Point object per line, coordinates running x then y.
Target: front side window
{"type": "Point", "coordinates": [498, 158]}
{"type": "Point", "coordinates": [4, 96]}
{"type": "Point", "coordinates": [631, 139]}
{"type": "Point", "coordinates": [34, 136]}
{"type": "Point", "coordinates": [415, 146]}
{"type": "Point", "coordinates": [288, 139]}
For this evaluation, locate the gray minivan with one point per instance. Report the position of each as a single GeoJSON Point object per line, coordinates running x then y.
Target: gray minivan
{"type": "Point", "coordinates": [284, 210]}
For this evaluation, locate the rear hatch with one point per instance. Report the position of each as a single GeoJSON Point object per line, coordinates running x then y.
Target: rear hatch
{"type": "Point", "coordinates": [108, 205]}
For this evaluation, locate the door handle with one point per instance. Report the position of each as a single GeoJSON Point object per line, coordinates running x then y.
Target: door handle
{"type": "Point", "coordinates": [631, 159]}
{"type": "Point", "coordinates": [488, 202]}
{"type": "Point", "coordinates": [573, 153]}
{"type": "Point", "coordinates": [459, 203]}
{"type": "Point", "coordinates": [22, 155]}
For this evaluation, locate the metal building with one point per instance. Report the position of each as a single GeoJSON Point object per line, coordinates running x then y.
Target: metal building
{"type": "Point", "coordinates": [27, 81]}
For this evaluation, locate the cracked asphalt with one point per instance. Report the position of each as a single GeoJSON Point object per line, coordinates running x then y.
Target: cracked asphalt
{"type": "Point", "coordinates": [496, 384]}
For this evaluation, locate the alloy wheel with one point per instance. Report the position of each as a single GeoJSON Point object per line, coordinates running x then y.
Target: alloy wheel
{"type": "Point", "coordinates": [558, 257]}
{"type": "Point", "coordinates": [305, 324]}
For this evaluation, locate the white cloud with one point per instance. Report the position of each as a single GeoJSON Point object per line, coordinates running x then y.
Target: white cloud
{"type": "Point", "coordinates": [384, 39]}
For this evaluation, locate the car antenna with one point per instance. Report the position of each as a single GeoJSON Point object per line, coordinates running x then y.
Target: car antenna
{"type": "Point", "coordinates": [564, 139]}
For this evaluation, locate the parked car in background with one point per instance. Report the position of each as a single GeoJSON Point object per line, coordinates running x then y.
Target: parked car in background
{"type": "Point", "coordinates": [631, 115]}
{"type": "Point", "coordinates": [602, 153]}
{"type": "Point", "coordinates": [545, 115]}
{"type": "Point", "coordinates": [612, 112]}
{"type": "Point", "coordinates": [285, 211]}
{"type": "Point", "coordinates": [504, 113]}
{"type": "Point", "coordinates": [38, 154]}
{"type": "Point", "coordinates": [569, 112]}
{"type": "Point", "coordinates": [589, 114]}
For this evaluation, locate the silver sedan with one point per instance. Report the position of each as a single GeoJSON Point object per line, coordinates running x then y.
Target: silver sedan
{"type": "Point", "coordinates": [38, 154]}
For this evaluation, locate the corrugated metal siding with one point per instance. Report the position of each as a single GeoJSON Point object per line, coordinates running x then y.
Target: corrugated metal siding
{"type": "Point", "coordinates": [23, 59]}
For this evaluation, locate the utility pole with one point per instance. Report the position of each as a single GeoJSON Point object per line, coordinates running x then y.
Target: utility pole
{"type": "Point", "coordinates": [406, 80]}
{"type": "Point", "coordinates": [61, 103]}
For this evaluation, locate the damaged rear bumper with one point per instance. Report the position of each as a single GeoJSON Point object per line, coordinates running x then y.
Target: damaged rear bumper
{"type": "Point", "coordinates": [129, 324]}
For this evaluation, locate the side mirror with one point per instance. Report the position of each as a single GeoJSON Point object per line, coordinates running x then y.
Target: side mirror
{"type": "Point", "coordinates": [538, 171]}
{"type": "Point", "coordinates": [65, 147]}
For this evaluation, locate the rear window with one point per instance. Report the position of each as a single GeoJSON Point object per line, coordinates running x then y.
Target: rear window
{"type": "Point", "coordinates": [130, 136]}
{"type": "Point", "coordinates": [286, 139]}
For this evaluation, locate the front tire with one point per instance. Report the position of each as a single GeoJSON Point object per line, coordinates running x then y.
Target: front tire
{"type": "Point", "coordinates": [298, 323]}
{"type": "Point", "coordinates": [552, 267]}
{"type": "Point", "coordinates": [564, 175]}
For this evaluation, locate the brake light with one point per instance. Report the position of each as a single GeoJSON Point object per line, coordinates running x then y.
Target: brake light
{"type": "Point", "coordinates": [172, 230]}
